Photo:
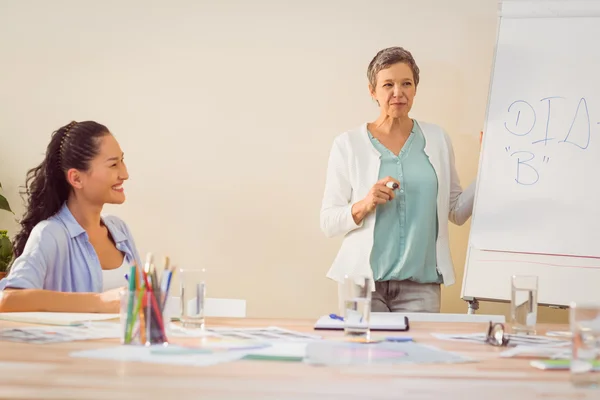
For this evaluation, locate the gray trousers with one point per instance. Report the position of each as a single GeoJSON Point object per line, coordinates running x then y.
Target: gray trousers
{"type": "Point", "coordinates": [407, 296]}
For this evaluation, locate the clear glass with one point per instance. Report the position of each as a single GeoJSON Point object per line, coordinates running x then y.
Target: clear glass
{"type": "Point", "coordinates": [585, 345]}
{"type": "Point", "coordinates": [142, 318]}
{"type": "Point", "coordinates": [356, 296]}
{"type": "Point", "coordinates": [192, 292]}
{"type": "Point", "coordinates": [523, 304]}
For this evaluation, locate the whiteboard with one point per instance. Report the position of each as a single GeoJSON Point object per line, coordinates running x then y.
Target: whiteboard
{"type": "Point", "coordinates": [536, 207]}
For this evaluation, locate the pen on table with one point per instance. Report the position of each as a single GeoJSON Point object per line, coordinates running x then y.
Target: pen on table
{"type": "Point", "coordinates": [334, 316]}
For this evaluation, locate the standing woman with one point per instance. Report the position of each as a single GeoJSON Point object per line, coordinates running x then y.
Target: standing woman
{"type": "Point", "coordinates": [391, 188]}
{"type": "Point", "coordinates": [68, 257]}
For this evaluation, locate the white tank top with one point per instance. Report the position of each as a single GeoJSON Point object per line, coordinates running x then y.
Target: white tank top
{"type": "Point", "coordinates": [115, 278]}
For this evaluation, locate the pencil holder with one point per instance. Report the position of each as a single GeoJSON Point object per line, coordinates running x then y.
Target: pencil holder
{"type": "Point", "coordinates": [142, 318]}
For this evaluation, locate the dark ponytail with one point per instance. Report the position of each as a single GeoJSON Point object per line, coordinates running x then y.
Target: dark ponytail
{"type": "Point", "coordinates": [46, 187]}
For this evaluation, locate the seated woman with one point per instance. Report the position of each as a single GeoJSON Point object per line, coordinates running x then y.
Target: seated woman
{"type": "Point", "coordinates": [68, 257]}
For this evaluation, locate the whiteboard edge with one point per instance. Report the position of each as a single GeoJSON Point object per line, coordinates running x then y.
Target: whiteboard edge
{"type": "Point", "coordinates": [463, 293]}
{"type": "Point", "coordinates": [517, 9]}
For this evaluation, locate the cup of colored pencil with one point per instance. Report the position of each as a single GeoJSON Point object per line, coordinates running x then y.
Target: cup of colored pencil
{"type": "Point", "coordinates": [143, 305]}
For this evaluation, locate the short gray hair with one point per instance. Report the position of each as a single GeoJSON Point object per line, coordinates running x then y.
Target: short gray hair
{"type": "Point", "coordinates": [388, 57]}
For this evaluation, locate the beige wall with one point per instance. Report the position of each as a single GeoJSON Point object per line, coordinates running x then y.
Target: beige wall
{"type": "Point", "coordinates": [226, 112]}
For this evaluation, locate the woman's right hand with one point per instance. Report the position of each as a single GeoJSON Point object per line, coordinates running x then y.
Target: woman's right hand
{"type": "Point", "coordinates": [380, 193]}
{"type": "Point", "coordinates": [110, 301]}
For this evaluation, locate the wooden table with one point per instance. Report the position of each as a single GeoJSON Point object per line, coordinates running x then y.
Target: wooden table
{"type": "Point", "coordinates": [29, 371]}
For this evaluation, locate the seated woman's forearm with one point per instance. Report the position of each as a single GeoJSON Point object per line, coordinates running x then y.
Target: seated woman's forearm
{"type": "Point", "coordinates": [24, 300]}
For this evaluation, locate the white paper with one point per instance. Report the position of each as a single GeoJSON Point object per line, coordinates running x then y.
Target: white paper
{"type": "Point", "coordinates": [282, 349]}
{"type": "Point", "coordinates": [144, 354]}
{"type": "Point", "coordinates": [176, 330]}
{"type": "Point", "coordinates": [55, 318]}
{"type": "Point", "coordinates": [565, 334]}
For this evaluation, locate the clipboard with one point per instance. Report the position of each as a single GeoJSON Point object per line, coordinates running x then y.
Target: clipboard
{"type": "Point", "coordinates": [378, 322]}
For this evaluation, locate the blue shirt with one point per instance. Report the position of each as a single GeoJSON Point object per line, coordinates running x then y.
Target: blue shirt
{"type": "Point", "coordinates": [59, 256]}
{"type": "Point", "coordinates": [406, 228]}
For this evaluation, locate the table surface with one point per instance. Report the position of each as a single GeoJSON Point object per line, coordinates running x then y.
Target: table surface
{"type": "Point", "coordinates": [31, 371]}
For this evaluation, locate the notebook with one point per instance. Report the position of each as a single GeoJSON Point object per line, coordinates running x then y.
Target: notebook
{"type": "Point", "coordinates": [378, 322]}
{"type": "Point", "coordinates": [55, 318]}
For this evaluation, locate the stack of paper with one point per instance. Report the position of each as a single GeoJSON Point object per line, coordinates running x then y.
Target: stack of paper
{"type": "Point", "coordinates": [55, 318]}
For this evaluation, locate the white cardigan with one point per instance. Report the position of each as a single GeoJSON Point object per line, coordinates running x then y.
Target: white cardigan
{"type": "Point", "coordinates": [354, 168]}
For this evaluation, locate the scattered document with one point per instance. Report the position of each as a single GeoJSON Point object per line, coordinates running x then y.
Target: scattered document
{"type": "Point", "coordinates": [515, 340]}
{"type": "Point", "coordinates": [553, 352]}
{"type": "Point", "coordinates": [268, 334]}
{"type": "Point", "coordinates": [58, 334]}
{"type": "Point", "coordinates": [345, 353]}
